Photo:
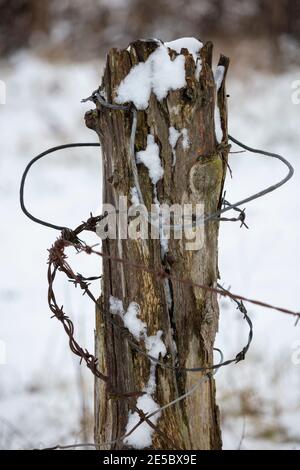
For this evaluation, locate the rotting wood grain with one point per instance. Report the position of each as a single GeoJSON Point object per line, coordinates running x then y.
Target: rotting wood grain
{"type": "Point", "coordinates": [192, 322]}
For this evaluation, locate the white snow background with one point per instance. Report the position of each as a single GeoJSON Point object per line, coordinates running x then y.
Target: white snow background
{"type": "Point", "coordinates": [40, 397]}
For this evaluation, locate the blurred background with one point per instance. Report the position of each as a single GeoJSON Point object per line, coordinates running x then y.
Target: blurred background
{"type": "Point", "coordinates": [52, 56]}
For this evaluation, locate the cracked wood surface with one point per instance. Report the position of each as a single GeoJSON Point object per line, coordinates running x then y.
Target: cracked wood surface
{"type": "Point", "coordinates": [191, 321]}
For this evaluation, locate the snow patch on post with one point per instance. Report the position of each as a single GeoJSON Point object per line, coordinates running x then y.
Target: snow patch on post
{"type": "Point", "coordinates": [134, 196]}
{"type": "Point", "coordinates": [142, 437]}
{"type": "Point", "coordinates": [218, 126]}
{"type": "Point", "coordinates": [185, 139]}
{"type": "Point", "coordinates": [151, 159]}
{"type": "Point", "coordinates": [174, 135]}
{"type": "Point", "coordinates": [198, 69]}
{"type": "Point", "coordinates": [155, 348]}
{"type": "Point", "coordinates": [219, 76]}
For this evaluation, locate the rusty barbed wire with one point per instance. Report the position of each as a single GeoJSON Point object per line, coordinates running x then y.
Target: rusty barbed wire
{"type": "Point", "coordinates": [57, 261]}
{"type": "Point", "coordinates": [161, 274]}
{"type": "Point", "coordinates": [203, 379]}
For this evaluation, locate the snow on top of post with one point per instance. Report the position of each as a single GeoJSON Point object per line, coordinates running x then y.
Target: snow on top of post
{"type": "Point", "coordinates": [191, 44]}
{"type": "Point", "coordinates": [159, 74]}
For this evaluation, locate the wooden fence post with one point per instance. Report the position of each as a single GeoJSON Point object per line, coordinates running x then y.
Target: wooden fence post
{"type": "Point", "coordinates": [188, 130]}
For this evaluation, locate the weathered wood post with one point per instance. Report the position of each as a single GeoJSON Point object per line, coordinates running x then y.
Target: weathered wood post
{"type": "Point", "coordinates": [186, 119]}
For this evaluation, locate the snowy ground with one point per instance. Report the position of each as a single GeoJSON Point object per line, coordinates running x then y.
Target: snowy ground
{"type": "Point", "coordinates": [43, 401]}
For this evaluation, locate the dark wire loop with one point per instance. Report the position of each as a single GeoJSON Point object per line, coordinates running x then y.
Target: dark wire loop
{"type": "Point", "coordinates": [24, 176]}
{"type": "Point", "coordinates": [214, 216]}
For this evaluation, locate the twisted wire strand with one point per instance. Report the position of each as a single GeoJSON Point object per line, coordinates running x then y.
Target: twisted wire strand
{"type": "Point", "coordinates": [71, 238]}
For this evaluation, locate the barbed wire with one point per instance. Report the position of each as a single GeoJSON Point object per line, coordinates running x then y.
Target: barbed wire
{"type": "Point", "coordinates": [57, 261]}
{"type": "Point", "coordinates": [96, 97]}
{"type": "Point", "coordinates": [203, 379]}
{"type": "Point", "coordinates": [161, 274]}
